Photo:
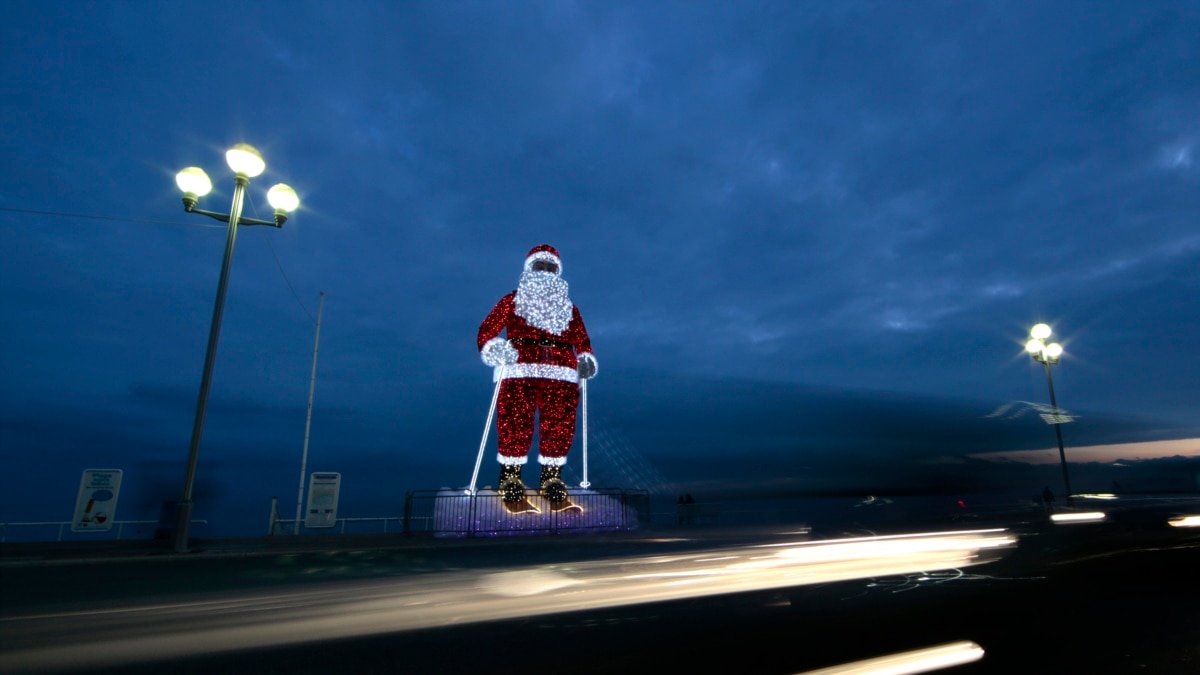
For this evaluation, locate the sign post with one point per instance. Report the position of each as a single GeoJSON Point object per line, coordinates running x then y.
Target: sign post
{"type": "Point", "coordinates": [323, 491]}
{"type": "Point", "coordinates": [96, 504]}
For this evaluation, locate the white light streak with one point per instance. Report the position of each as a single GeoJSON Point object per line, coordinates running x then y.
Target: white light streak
{"type": "Point", "coordinates": [905, 663]}
{"type": "Point", "coordinates": [1083, 516]}
{"type": "Point", "coordinates": [354, 609]}
{"type": "Point", "coordinates": [1185, 521]}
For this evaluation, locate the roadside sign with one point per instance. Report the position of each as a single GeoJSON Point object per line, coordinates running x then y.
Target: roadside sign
{"type": "Point", "coordinates": [323, 491]}
{"type": "Point", "coordinates": [96, 504]}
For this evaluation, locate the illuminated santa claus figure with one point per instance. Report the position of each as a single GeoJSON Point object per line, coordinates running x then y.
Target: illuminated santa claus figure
{"type": "Point", "coordinates": [539, 362]}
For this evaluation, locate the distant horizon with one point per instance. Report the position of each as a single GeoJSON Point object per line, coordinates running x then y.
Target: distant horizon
{"type": "Point", "coordinates": [1133, 451]}
{"type": "Point", "coordinates": [246, 515]}
{"type": "Point", "coordinates": [825, 442]}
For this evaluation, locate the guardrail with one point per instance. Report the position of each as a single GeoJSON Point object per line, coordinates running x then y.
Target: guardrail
{"type": "Point", "coordinates": [457, 513]}
{"type": "Point", "coordinates": [461, 514]}
{"type": "Point", "coordinates": [280, 526]}
{"type": "Point", "coordinates": [63, 524]}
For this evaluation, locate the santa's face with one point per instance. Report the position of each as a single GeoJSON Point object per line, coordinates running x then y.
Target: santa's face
{"type": "Point", "coordinates": [543, 300]}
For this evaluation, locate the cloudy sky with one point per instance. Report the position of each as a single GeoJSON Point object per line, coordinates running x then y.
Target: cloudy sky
{"type": "Point", "coordinates": [800, 234]}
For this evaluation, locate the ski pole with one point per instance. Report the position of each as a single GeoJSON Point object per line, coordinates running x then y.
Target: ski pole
{"type": "Point", "coordinates": [487, 427]}
{"type": "Point", "coordinates": [583, 393]}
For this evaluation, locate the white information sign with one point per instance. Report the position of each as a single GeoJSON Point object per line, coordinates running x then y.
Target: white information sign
{"type": "Point", "coordinates": [322, 499]}
{"type": "Point", "coordinates": [96, 505]}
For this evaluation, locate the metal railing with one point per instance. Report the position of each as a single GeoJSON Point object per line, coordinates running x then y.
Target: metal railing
{"type": "Point", "coordinates": [280, 526]}
{"type": "Point", "coordinates": [458, 513]}
{"type": "Point", "coordinates": [63, 524]}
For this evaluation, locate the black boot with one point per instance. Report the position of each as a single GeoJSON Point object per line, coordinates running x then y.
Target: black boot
{"type": "Point", "coordinates": [511, 486]}
{"type": "Point", "coordinates": [512, 490]}
{"type": "Point", "coordinates": [554, 490]}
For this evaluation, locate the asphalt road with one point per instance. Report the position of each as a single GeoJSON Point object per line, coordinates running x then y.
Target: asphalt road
{"type": "Point", "coordinates": [1116, 596]}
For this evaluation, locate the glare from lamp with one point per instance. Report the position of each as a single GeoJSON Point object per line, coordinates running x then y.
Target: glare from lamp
{"type": "Point", "coordinates": [194, 181]}
{"type": "Point", "coordinates": [1040, 331]}
{"type": "Point", "coordinates": [283, 197]}
{"type": "Point", "coordinates": [1034, 346]}
{"type": "Point", "coordinates": [1054, 350]}
{"type": "Point", "coordinates": [245, 160]}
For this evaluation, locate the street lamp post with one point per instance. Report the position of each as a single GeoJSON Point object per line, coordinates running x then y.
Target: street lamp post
{"type": "Point", "coordinates": [1048, 355]}
{"type": "Point", "coordinates": [246, 163]}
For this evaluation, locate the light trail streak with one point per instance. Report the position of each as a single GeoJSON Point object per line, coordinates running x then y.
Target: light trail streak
{"type": "Point", "coordinates": [908, 663]}
{"type": "Point", "coordinates": [108, 636]}
{"type": "Point", "coordinates": [1082, 517]}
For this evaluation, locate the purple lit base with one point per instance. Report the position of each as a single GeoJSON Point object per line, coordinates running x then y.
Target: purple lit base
{"type": "Point", "coordinates": [457, 514]}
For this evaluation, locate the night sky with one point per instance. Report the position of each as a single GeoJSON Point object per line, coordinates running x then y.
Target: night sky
{"type": "Point", "coordinates": [808, 240]}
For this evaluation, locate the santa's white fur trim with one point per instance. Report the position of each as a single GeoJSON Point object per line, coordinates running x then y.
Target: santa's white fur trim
{"type": "Point", "coordinates": [511, 461]}
{"type": "Point", "coordinates": [542, 370]}
{"type": "Point", "coordinates": [495, 350]}
{"type": "Point", "coordinates": [552, 461]}
{"type": "Point", "coordinates": [544, 255]}
{"type": "Point", "coordinates": [590, 357]}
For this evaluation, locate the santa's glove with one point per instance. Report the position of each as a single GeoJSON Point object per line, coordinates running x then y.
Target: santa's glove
{"type": "Point", "coordinates": [498, 352]}
{"type": "Point", "coordinates": [587, 365]}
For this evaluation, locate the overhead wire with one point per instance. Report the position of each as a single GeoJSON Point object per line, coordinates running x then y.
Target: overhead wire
{"type": "Point", "coordinates": [87, 216]}
{"type": "Point", "coordinates": [111, 218]}
{"type": "Point", "coordinates": [282, 273]}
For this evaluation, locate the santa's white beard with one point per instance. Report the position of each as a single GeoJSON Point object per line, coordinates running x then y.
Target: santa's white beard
{"type": "Point", "coordinates": [543, 302]}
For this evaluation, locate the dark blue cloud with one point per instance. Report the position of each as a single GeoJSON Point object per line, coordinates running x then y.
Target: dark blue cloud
{"type": "Point", "coordinates": [791, 229]}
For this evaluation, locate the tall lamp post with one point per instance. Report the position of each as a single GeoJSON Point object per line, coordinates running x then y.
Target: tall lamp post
{"type": "Point", "coordinates": [246, 163]}
{"type": "Point", "coordinates": [1047, 355]}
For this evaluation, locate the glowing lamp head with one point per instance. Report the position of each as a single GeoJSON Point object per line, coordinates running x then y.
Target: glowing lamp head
{"type": "Point", "coordinates": [1040, 331]}
{"type": "Point", "coordinates": [193, 181]}
{"type": "Point", "coordinates": [283, 197]}
{"type": "Point", "coordinates": [245, 160]}
{"type": "Point", "coordinates": [1054, 350]}
{"type": "Point", "coordinates": [1034, 346]}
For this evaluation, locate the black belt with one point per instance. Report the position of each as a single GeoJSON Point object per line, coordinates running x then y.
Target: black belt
{"type": "Point", "coordinates": [541, 342]}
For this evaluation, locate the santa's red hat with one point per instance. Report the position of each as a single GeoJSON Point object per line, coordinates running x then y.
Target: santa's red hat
{"type": "Point", "coordinates": [543, 252]}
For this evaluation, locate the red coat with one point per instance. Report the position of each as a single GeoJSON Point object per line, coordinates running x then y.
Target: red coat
{"type": "Point", "coordinates": [540, 352]}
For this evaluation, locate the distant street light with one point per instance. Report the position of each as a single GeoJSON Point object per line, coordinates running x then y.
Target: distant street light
{"type": "Point", "coordinates": [246, 163]}
{"type": "Point", "coordinates": [1047, 355]}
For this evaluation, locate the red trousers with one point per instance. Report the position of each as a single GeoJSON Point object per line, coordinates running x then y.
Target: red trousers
{"type": "Point", "coordinates": [554, 402]}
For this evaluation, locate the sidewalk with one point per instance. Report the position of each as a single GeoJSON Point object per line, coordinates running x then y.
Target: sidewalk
{"type": "Point", "coordinates": [67, 551]}
{"type": "Point", "coordinates": [532, 547]}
